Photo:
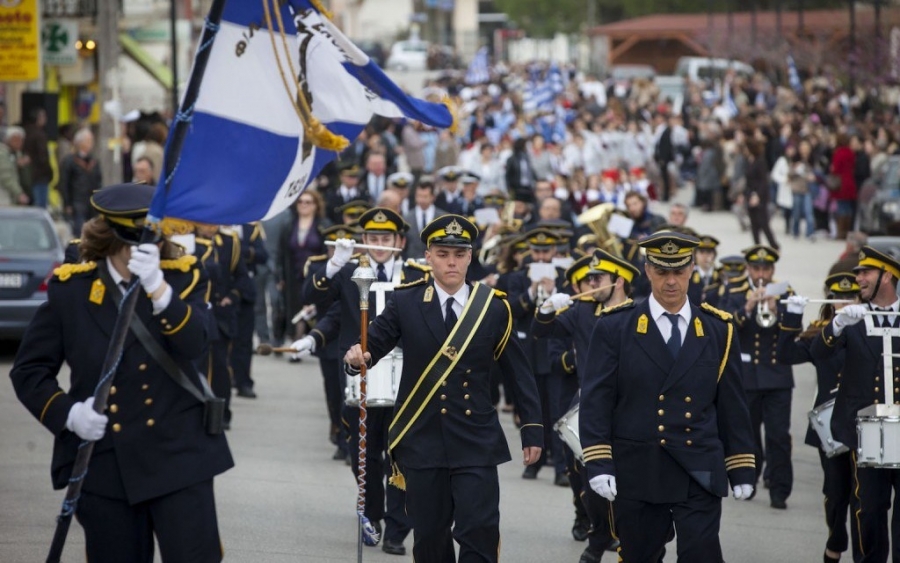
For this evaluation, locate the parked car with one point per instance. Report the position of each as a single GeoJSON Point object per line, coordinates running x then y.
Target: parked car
{"type": "Point", "coordinates": [29, 251]}
{"type": "Point", "coordinates": [408, 55]}
{"type": "Point", "coordinates": [709, 69]}
{"type": "Point", "coordinates": [878, 202]}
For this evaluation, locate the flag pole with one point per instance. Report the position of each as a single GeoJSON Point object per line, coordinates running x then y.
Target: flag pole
{"type": "Point", "coordinates": [126, 308]}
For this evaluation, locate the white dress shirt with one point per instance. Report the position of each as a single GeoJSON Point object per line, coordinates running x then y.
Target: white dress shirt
{"type": "Point", "coordinates": [424, 216]}
{"type": "Point", "coordinates": [664, 324]}
{"type": "Point", "coordinates": [459, 299]}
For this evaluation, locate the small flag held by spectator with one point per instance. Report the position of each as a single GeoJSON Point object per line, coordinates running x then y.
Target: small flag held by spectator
{"type": "Point", "coordinates": [479, 70]}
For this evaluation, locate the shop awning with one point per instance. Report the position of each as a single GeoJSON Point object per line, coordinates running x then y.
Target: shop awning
{"type": "Point", "coordinates": [148, 62]}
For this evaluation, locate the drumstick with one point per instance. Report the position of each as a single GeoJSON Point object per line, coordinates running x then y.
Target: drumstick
{"type": "Point", "coordinates": [595, 290]}
{"type": "Point", "coordinates": [267, 349]}
{"type": "Point", "coordinates": [366, 246]}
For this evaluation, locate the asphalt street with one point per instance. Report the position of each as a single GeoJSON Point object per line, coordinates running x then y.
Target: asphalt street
{"type": "Point", "coordinates": [288, 501]}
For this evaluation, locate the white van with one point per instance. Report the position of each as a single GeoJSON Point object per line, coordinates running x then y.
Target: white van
{"type": "Point", "coordinates": [708, 69]}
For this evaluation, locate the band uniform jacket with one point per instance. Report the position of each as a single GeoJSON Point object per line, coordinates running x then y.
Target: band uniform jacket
{"type": "Point", "coordinates": [862, 385]}
{"type": "Point", "coordinates": [155, 441]}
{"type": "Point", "coordinates": [322, 291]}
{"type": "Point", "coordinates": [654, 422]}
{"type": "Point", "coordinates": [761, 370]}
{"type": "Point", "coordinates": [458, 426]}
{"type": "Point", "coordinates": [576, 322]}
{"type": "Point", "coordinates": [227, 272]}
{"type": "Point", "coordinates": [523, 310]}
{"type": "Point", "coordinates": [704, 290]}
{"type": "Point", "coordinates": [254, 253]}
{"type": "Point", "coordinates": [793, 350]}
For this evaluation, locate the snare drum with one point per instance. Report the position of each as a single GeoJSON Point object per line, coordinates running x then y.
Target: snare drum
{"type": "Point", "coordinates": [820, 420]}
{"type": "Point", "coordinates": [567, 428]}
{"type": "Point", "coordinates": [879, 441]}
{"type": "Point", "coordinates": [382, 382]}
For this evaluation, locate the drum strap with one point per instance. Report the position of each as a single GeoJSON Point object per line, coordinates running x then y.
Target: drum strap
{"type": "Point", "coordinates": [441, 364]}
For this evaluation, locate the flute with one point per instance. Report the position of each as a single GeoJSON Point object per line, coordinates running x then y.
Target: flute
{"type": "Point", "coordinates": [366, 246]}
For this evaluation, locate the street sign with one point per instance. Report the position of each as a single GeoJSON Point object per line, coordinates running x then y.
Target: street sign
{"type": "Point", "coordinates": [58, 39]}
{"type": "Point", "coordinates": [20, 54]}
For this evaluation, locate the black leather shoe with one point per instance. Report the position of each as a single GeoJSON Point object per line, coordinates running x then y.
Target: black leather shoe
{"type": "Point", "coordinates": [828, 559]}
{"type": "Point", "coordinates": [752, 494]}
{"type": "Point", "coordinates": [581, 528]}
{"type": "Point", "coordinates": [339, 455]}
{"type": "Point", "coordinates": [246, 392]}
{"type": "Point", "coordinates": [530, 472]}
{"type": "Point", "coordinates": [393, 547]}
{"type": "Point", "coordinates": [590, 555]}
{"type": "Point", "coordinates": [562, 480]}
{"type": "Point", "coordinates": [778, 503]}
{"type": "Point", "coordinates": [614, 545]}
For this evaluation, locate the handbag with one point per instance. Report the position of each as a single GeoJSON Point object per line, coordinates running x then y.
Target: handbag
{"type": "Point", "coordinates": [833, 182]}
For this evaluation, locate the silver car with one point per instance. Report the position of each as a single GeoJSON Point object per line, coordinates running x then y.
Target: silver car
{"type": "Point", "coordinates": [29, 251]}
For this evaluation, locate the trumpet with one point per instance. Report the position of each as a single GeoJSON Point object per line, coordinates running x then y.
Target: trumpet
{"type": "Point", "coordinates": [764, 316]}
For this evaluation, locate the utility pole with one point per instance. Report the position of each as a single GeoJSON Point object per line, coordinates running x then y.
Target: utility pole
{"type": "Point", "coordinates": [108, 75]}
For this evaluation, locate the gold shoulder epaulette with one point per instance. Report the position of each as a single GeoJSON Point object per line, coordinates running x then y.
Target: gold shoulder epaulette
{"type": "Point", "coordinates": [715, 312]}
{"type": "Point", "coordinates": [66, 271]}
{"type": "Point", "coordinates": [418, 282]}
{"type": "Point", "coordinates": [627, 304]}
{"type": "Point", "coordinates": [739, 288]}
{"type": "Point", "coordinates": [183, 263]}
{"type": "Point", "coordinates": [74, 241]}
{"type": "Point", "coordinates": [415, 264]}
{"type": "Point", "coordinates": [819, 323]}
{"type": "Point", "coordinates": [500, 294]}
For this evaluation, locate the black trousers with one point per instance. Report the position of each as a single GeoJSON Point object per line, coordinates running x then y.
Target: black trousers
{"type": "Point", "coordinates": [644, 528]}
{"type": "Point", "coordinates": [552, 442]}
{"type": "Point", "coordinates": [772, 409]}
{"type": "Point", "coordinates": [217, 368]}
{"type": "Point", "coordinates": [396, 522]}
{"type": "Point", "coordinates": [242, 347]}
{"type": "Point", "coordinates": [598, 510]}
{"type": "Point", "coordinates": [184, 523]}
{"type": "Point", "coordinates": [873, 488]}
{"type": "Point", "coordinates": [759, 223]}
{"type": "Point", "coordinates": [837, 487]}
{"type": "Point", "coordinates": [454, 504]}
{"type": "Point", "coordinates": [334, 381]}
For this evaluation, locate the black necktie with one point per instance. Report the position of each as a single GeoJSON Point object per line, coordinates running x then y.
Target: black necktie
{"type": "Point", "coordinates": [450, 317]}
{"type": "Point", "coordinates": [674, 342]}
{"type": "Point", "coordinates": [382, 276]}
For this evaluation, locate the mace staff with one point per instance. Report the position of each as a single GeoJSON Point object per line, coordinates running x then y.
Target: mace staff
{"type": "Point", "coordinates": [363, 277]}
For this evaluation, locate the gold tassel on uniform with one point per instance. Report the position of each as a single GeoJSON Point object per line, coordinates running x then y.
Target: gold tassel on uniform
{"type": "Point", "coordinates": [397, 479]}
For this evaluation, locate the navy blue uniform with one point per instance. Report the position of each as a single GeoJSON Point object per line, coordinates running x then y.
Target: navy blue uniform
{"type": "Point", "coordinates": [253, 253]}
{"type": "Point", "coordinates": [450, 453]}
{"type": "Point", "coordinates": [672, 431]}
{"type": "Point", "coordinates": [155, 459]}
{"type": "Point", "coordinates": [838, 470]}
{"type": "Point", "coordinates": [861, 387]}
{"type": "Point", "coordinates": [704, 289]}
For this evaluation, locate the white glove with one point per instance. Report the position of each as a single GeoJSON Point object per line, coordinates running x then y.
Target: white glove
{"type": "Point", "coordinates": [605, 486]}
{"type": "Point", "coordinates": [556, 302]}
{"type": "Point", "coordinates": [796, 303]}
{"type": "Point", "coordinates": [343, 251]}
{"type": "Point", "coordinates": [305, 346]}
{"type": "Point", "coordinates": [742, 492]}
{"type": "Point", "coordinates": [85, 423]}
{"type": "Point", "coordinates": [144, 263]}
{"type": "Point", "coordinates": [849, 315]}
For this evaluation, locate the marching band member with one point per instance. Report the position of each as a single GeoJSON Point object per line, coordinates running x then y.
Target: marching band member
{"type": "Point", "coordinates": [150, 479]}
{"type": "Point", "coordinates": [704, 287]}
{"type": "Point", "coordinates": [611, 277]}
{"type": "Point", "coordinates": [877, 275]}
{"type": "Point", "coordinates": [794, 347]}
{"type": "Point", "coordinates": [446, 437]}
{"type": "Point", "coordinates": [665, 445]}
{"type": "Point", "coordinates": [767, 383]}
{"type": "Point", "coordinates": [385, 228]}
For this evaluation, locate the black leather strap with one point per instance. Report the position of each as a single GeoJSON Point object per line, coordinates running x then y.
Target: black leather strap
{"type": "Point", "coordinates": [156, 351]}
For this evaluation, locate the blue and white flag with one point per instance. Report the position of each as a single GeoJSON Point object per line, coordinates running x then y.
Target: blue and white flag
{"type": "Point", "coordinates": [245, 156]}
{"type": "Point", "coordinates": [729, 99]}
{"type": "Point", "coordinates": [479, 70]}
{"type": "Point", "coordinates": [793, 75]}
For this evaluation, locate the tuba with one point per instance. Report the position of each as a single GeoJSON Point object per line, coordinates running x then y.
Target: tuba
{"type": "Point", "coordinates": [597, 220]}
{"type": "Point", "coordinates": [490, 249]}
{"type": "Point", "coordinates": [764, 316]}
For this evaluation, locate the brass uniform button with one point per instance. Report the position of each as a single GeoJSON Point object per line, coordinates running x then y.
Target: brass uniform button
{"type": "Point", "coordinates": [687, 399]}
{"type": "Point", "coordinates": [468, 371]}
{"type": "Point", "coordinates": [687, 415]}
{"type": "Point", "coordinates": [774, 362]}
{"type": "Point", "coordinates": [150, 422]}
{"type": "Point", "coordinates": [465, 383]}
{"type": "Point", "coordinates": [443, 411]}
{"type": "Point", "coordinates": [117, 427]}
{"type": "Point", "coordinates": [660, 412]}
{"type": "Point", "coordinates": [755, 361]}
{"type": "Point", "coordinates": [444, 383]}
{"type": "Point", "coordinates": [142, 367]}
{"type": "Point", "coordinates": [662, 442]}
{"type": "Point", "coordinates": [466, 396]}
{"type": "Point", "coordinates": [443, 397]}
{"type": "Point", "coordinates": [112, 390]}
{"type": "Point", "coordinates": [689, 443]}
{"type": "Point", "coordinates": [144, 387]}
{"type": "Point", "coordinates": [662, 397]}
{"type": "Point", "coordinates": [113, 408]}
{"type": "Point", "coordinates": [688, 429]}
{"type": "Point", "coordinates": [877, 389]}
{"type": "Point", "coordinates": [877, 379]}
{"type": "Point", "coordinates": [468, 412]}
{"type": "Point", "coordinates": [148, 402]}
{"type": "Point", "coordinates": [661, 428]}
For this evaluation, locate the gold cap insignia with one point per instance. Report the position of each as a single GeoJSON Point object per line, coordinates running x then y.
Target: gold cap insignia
{"type": "Point", "coordinates": [669, 248]}
{"type": "Point", "coordinates": [380, 217]}
{"type": "Point", "coordinates": [454, 228]}
{"type": "Point", "coordinates": [762, 253]}
{"type": "Point", "coordinates": [845, 284]}
{"type": "Point", "coordinates": [862, 255]}
{"type": "Point", "coordinates": [341, 233]}
{"type": "Point", "coordinates": [595, 263]}
{"type": "Point", "coordinates": [541, 237]}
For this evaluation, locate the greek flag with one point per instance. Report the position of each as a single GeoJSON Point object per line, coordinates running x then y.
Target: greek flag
{"type": "Point", "coordinates": [479, 70]}
{"type": "Point", "coordinates": [283, 92]}
{"type": "Point", "coordinates": [793, 76]}
{"type": "Point", "coordinates": [538, 96]}
{"type": "Point", "coordinates": [729, 99]}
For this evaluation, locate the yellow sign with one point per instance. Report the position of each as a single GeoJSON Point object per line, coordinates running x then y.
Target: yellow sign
{"type": "Point", "coordinates": [20, 41]}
